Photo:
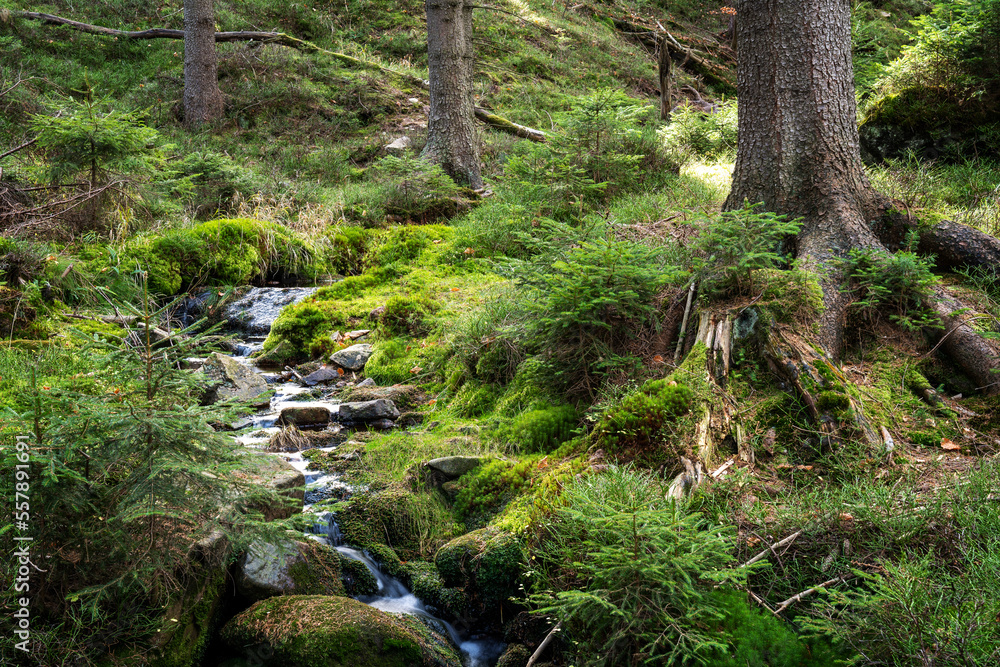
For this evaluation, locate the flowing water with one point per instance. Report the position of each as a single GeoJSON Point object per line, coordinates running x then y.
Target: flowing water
{"type": "Point", "coordinates": [263, 306]}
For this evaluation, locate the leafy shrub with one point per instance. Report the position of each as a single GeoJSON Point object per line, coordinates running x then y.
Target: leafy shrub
{"type": "Point", "coordinates": [608, 146]}
{"type": "Point", "coordinates": [694, 134]}
{"type": "Point", "coordinates": [899, 284]}
{"type": "Point", "coordinates": [630, 573]}
{"type": "Point", "coordinates": [216, 181]}
{"type": "Point", "coordinates": [128, 476]}
{"type": "Point", "coordinates": [942, 89]}
{"type": "Point", "coordinates": [736, 244]}
{"type": "Point", "coordinates": [544, 429]}
{"type": "Point", "coordinates": [939, 599]}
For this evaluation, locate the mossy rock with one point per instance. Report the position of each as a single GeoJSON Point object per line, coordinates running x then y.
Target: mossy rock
{"type": "Point", "coordinates": [426, 583]}
{"type": "Point", "coordinates": [190, 619]}
{"type": "Point", "coordinates": [387, 517]}
{"type": "Point", "coordinates": [358, 580]}
{"type": "Point", "coordinates": [289, 568]}
{"type": "Point", "coordinates": [404, 396]}
{"type": "Point", "coordinates": [485, 563]}
{"type": "Point", "coordinates": [515, 655]}
{"type": "Point", "coordinates": [326, 631]}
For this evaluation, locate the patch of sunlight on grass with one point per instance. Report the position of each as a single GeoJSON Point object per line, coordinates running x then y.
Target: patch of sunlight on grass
{"type": "Point", "coordinates": [715, 176]}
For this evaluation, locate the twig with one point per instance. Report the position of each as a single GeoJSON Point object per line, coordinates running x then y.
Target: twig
{"type": "Point", "coordinates": [14, 150]}
{"type": "Point", "coordinates": [763, 554]}
{"type": "Point", "coordinates": [806, 593]}
{"type": "Point", "coordinates": [684, 323]}
{"type": "Point", "coordinates": [541, 647]}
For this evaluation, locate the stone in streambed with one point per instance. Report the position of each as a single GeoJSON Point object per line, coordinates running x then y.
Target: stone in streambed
{"type": "Point", "coordinates": [352, 358]}
{"type": "Point", "coordinates": [305, 415]}
{"type": "Point", "coordinates": [454, 466]}
{"type": "Point", "coordinates": [322, 375]}
{"type": "Point", "coordinates": [368, 411]}
{"type": "Point", "coordinates": [228, 378]}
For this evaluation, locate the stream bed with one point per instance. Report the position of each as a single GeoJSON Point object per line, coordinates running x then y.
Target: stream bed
{"type": "Point", "coordinates": [252, 316]}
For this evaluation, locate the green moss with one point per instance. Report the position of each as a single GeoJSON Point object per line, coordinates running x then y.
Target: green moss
{"type": "Point", "coordinates": [643, 420]}
{"type": "Point", "coordinates": [308, 631]}
{"type": "Point", "coordinates": [406, 314]}
{"type": "Point", "coordinates": [486, 563]}
{"type": "Point", "coordinates": [386, 559]}
{"type": "Point", "coordinates": [484, 491]}
{"type": "Point", "coordinates": [356, 577]}
{"type": "Point", "coordinates": [544, 429]}
{"type": "Point", "coordinates": [320, 573]}
{"type": "Point", "coordinates": [394, 517]}
{"type": "Point", "coordinates": [390, 363]}
{"type": "Point", "coordinates": [473, 400]}
{"type": "Point", "coordinates": [426, 583]}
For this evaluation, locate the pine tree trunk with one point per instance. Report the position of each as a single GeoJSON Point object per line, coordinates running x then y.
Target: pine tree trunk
{"type": "Point", "coordinates": [202, 98]}
{"type": "Point", "coordinates": [798, 139]}
{"type": "Point", "coordinates": [451, 132]}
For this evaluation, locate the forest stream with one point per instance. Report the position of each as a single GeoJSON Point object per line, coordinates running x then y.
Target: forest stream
{"type": "Point", "coordinates": [251, 317]}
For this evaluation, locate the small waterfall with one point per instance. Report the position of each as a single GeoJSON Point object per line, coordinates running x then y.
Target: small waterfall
{"type": "Point", "coordinates": [255, 311]}
{"type": "Point", "coordinates": [394, 597]}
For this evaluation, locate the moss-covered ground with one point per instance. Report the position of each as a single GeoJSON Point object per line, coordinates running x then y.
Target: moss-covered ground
{"type": "Point", "coordinates": [532, 326]}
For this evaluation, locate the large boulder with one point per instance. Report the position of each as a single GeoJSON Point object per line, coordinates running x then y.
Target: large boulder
{"type": "Point", "coordinates": [327, 631]}
{"type": "Point", "coordinates": [352, 358]}
{"type": "Point", "coordinates": [289, 568]}
{"type": "Point", "coordinates": [368, 411]}
{"type": "Point", "coordinates": [229, 379]}
{"type": "Point", "coordinates": [193, 613]}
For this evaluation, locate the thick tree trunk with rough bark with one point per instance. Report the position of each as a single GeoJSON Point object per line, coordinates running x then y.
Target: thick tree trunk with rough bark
{"type": "Point", "coordinates": [202, 98]}
{"type": "Point", "coordinates": [451, 131]}
{"type": "Point", "coordinates": [798, 153]}
{"type": "Point", "coordinates": [798, 138]}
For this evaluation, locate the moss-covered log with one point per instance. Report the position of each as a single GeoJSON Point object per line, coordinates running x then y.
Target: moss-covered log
{"type": "Point", "coordinates": [504, 125]}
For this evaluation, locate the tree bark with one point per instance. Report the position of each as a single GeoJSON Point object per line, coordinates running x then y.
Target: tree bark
{"type": "Point", "coordinates": [202, 98]}
{"type": "Point", "coordinates": [798, 149]}
{"type": "Point", "coordinates": [666, 77]}
{"type": "Point", "coordinates": [451, 131]}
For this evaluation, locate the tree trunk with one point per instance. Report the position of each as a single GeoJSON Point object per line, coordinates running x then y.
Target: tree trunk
{"type": "Point", "coordinates": [451, 132]}
{"type": "Point", "coordinates": [666, 76]}
{"type": "Point", "coordinates": [202, 98]}
{"type": "Point", "coordinates": [798, 138]}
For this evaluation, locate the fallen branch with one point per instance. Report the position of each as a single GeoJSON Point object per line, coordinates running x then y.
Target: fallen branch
{"type": "Point", "coordinates": [504, 125]}
{"type": "Point", "coordinates": [806, 593]}
{"type": "Point", "coordinates": [281, 38]}
{"type": "Point", "coordinates": [770, 549]}
{"type": "Point", "coordinates": [237, 36]}
{"type": "Point", "coordinates": [545, 642]}
{"type": "Point", "coordinates": [18, 148]}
